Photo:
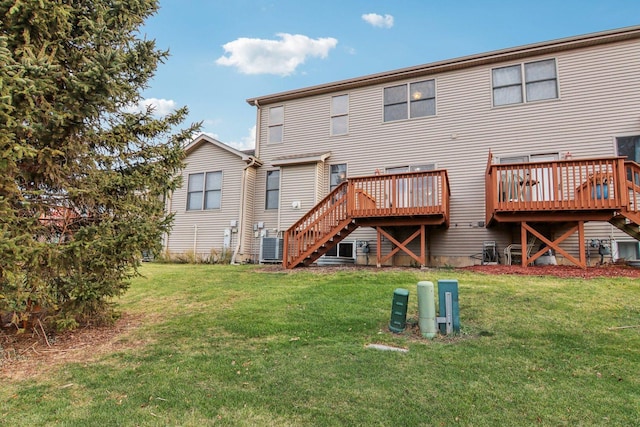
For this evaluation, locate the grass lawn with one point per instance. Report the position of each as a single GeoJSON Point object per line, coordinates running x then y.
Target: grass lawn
{"type": "Point", "coordinates": [239, 345]}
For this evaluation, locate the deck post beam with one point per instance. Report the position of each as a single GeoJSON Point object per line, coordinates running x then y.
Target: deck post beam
{"type": "Point", "coordinates": [423, 245]}
{"type": "Point", "coordinates": [378, 247]}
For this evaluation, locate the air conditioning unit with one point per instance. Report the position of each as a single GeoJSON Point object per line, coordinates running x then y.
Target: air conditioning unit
{"type": "Point", "coordinates": [271, 249]}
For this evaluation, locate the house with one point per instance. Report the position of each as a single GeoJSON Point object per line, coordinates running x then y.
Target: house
{"type": "Point", "coordinates": [213, 211]}
{"type": "Point", "coordinates": [457, 161]}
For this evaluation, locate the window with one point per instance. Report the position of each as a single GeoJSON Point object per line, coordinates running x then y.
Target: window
{"type": "Point", "coordinates": [628, 250]}
{"type": "Point", "coordinates": [342, 249]}
{"type": "Point", "coordinates": [415, 191]}
{"type": "Point", "coordinates": [540, 82]}
{"type": "Point", "coordinates": [273, 190]}
{"type": "Point", "coordinates": [412, 168]}
{"type": "Point", "coordinates": [411, 100]}
{"type": "Point", "coordinates": [204, 191]}
{"type": "Point", "coordinates": [526, 158]}
{"type": "Point", "coordinates": [527, 183]}
{"type": "Point", "coordinates": [337, 176]}
{"type": "Point", "coordinates": [213, 190]}
{"type": "Point", "coordinates": [276, 124]}
{"type": "Point", "coordinates": [340, 115]}
{"type": "Point", "coordinates": [427, 167]}
{"type": "Point", "coordinates": [514, 159]}
{"type": "Point", "coordinates": [629, 146]}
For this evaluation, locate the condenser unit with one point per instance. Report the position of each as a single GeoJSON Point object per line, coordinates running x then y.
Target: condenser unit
{"type": "Point", "coordinates": [271, 249]}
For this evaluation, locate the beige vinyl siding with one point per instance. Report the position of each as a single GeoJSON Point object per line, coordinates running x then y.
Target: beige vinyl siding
{"type": "Point", "coordinates": [322, 181]}
{"type": "Point", "coordinates": [268, 217]}
{"type": "Point", "coordinates": [202, 231]}
{"type": "Point", "coordinates": [297, 184]}
{"type": "Point", "coordinates": [598, 89]}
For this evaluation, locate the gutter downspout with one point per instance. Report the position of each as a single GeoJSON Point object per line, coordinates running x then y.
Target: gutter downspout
{"type": "Point", "coordinates": [167, 235]}
{"type": "Point", "coordinates": [243, 202]}
{"type": "Point", "coordinates": [243, 185]}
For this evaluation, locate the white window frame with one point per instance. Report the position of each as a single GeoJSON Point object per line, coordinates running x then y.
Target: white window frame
{"type": "Point", "coordinates": [337, 249]}
{"type": "Point", "coordinates": [275, 133]}
{"type": "Point", "coordinates": [523, 84]}
{"type": "Point", "coordinates": [339, 115]}
{"type": "Point", "coordinates": [205, 192]}
{"type": "Point", "coordinates": [410, 99]}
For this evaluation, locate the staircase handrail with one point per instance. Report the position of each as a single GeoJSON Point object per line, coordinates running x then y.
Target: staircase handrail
{"type": "Point", "coordinates": [293, 245]}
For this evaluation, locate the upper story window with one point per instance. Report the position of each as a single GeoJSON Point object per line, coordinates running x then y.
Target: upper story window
{"type": "Point", "coordinates": [417, 99]}
{"type": "Point", "coordinates": [276, 124]}
{"type": "Point", "coordinates": [339, 115]}
{"type": "Point", "coordinates": [204, 191]}
{"type": "Point", "coordinates": [539, 77]}
{"type": "Point", "coordinates": [272, 199]}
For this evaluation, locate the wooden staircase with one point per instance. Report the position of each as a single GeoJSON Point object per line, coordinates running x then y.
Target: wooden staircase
{"type": "Point", "coordinates": [318, 230]}
{"type": "Point", "coordinates": [628, 218]}
{"type": "Point", "coordinates": [411, 198]}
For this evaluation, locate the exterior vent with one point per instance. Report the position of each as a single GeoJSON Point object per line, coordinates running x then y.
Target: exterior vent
{"type": "Point", "coordinates": [271, 249]}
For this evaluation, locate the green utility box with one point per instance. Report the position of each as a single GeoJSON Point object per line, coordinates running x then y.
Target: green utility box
{"type": "Point", "coordinates": [449, 287]}
{"type": "Point", "coordinates": [399, 310]}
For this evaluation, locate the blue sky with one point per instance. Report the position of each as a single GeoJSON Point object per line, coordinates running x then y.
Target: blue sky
{"type": "Point", "coordinates": [225, 51]}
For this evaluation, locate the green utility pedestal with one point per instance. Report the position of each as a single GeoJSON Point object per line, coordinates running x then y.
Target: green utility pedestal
{"type": "Point", "coordinates": [448, 291]}
{"type": "Point", "coordinates": [399, 310]}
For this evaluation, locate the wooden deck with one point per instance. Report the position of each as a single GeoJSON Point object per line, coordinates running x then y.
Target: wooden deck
{"type": "Point", "coordinates": [411, 199]}
{"type": "Point", "coordinates": [567, 192]}
{"type": "Point", "coordinates": [555, 195]}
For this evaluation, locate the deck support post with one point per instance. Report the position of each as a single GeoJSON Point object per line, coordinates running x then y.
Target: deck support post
{"type": "Point", "coordinates": [378, 247]}
{"type": "Point", "coordinates": [423, 245]}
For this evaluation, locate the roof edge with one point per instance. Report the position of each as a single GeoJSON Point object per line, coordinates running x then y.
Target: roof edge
{"type": "Point", "coordinates": [502, 55]}
{"type": "Point", "coordinates": [202, 138]}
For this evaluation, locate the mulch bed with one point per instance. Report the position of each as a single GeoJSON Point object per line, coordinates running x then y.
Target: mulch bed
{"type": "Point", "coordinates": [606, 270]}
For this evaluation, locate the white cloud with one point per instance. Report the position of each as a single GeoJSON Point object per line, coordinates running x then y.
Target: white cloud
{"type": "Point", "coordinates": [376, 20]}
{"type": "Point", "coordinates": [280, 57]}
{"type": "Point", "coordinates": [247, 142]}
{"type": "Point", "coordinates": [209, 134]}
{"type": "Point", "coordinates": [161, 107]}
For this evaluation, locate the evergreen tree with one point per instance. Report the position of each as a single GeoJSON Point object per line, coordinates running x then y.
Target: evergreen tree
{"type": "Point", "coordinates": [82, 181]}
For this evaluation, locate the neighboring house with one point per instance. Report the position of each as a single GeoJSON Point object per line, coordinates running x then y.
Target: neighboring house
{"type": "Point", "coordinates": [444, 163]}
{"type": "Point", "coordinates": [214, 207]}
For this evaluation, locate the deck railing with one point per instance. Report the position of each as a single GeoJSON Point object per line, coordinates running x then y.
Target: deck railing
{"type": "Point", "coordinates": [401, 194]}
{"type": "Point", "coordinates": [423, 193]}
{"type": "Point", "coordinates": [559, 185]}
{"type": "Point", "coordinates": [632, 173]}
